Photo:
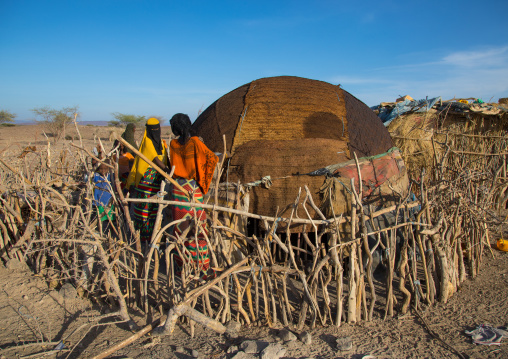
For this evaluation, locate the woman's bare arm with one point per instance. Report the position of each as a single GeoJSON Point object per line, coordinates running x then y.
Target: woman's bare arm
{"type": "Point", "coordinates": [159, 163]}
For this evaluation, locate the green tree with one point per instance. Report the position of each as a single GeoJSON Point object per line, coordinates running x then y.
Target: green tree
{"type": "Point", "coordinates": [122, 119]}
{"type": "Point", "coordinates": [56, 121]}
{"type": "Point", "coordinates": [6, 117]}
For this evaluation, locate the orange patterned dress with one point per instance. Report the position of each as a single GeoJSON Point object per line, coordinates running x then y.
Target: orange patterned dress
{"type": "Point", "coordinates": [194, 167]}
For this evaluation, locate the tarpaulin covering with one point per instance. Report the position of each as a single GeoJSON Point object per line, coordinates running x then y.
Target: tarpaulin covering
{"type": "Point", "coordinates": [387, 115]}
{"type": "Point", "coordinates": [384, 177]}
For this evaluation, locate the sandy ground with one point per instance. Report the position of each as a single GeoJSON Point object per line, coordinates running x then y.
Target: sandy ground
{"type": "Point", "coordinates": [13, 139]}
{"type": "Point", "coordinates": [31, 310]}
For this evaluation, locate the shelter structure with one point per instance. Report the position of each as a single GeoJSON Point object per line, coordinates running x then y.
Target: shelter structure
{"type": "Point", "coordinates": [287, 128]}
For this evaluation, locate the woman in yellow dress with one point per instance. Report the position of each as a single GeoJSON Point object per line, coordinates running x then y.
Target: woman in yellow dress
{"type": "Point", "coordinates": [146, 180]}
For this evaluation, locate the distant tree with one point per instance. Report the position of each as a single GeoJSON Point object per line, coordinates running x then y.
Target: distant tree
{"type": "Point", "coordinates": [122, 119]}
{"type": "Point", "coordinates": [6, 117]}
{"type": "Point", "coordinates": [114, 123]}
{"type": "Point", "coordinates": [56, 121]}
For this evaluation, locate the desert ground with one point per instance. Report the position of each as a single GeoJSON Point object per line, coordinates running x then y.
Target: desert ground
{"type": "Point", "coordinates": [33, 309]}
{"type": "Point", "coordinates": [16, 137]}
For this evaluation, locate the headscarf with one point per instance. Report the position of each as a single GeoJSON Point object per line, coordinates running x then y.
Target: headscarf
{"type": "Point", "coordinates": [148, 149]}
{"type": "Point", "coordinates": [181, 126]}
{"type": "Point", "coordinates": [153, 132]}
{"type": "Point", "coordinates": [128, 135]}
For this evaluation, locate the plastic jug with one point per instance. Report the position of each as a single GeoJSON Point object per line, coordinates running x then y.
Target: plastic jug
{"type": "Point", "coordinates": [502, 244]}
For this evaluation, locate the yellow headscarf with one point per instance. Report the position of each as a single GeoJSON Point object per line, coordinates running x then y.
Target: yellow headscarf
{"type": "Point", "coordinates": [147, 148]}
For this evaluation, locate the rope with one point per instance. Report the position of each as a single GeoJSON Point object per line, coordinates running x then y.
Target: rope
{"type": "Point", "coordinates": [417, 283]}
{"type": "Point", "coordinates": [156, 246]}
{"type": "Point", "coordinates": [243, 117]}
{"type": "Point", "coordinates": [266, 182]}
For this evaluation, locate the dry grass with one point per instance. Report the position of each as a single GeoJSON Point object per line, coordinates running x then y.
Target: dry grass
{"type": "Point", "coordinates": [424, 138]}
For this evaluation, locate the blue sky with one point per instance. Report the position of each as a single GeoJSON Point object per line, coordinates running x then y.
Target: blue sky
{"type": "Point", "coordinates": [163, 57]}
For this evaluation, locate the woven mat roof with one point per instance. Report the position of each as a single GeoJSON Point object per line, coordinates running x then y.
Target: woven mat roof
{"type": "Point", "coordinates": [281, 126]}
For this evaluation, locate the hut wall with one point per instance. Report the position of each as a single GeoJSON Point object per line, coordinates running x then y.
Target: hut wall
{"type": "Point", "coordinates": [367, 134]}
{"type": "Point", "coordinates": [221, 118]}
{"type": "Point", "coordinates": [286, 108]}
{"type": "Point", "coordinates": [280, 159]}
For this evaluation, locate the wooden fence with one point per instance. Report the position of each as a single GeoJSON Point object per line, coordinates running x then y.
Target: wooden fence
{"type": "Point", "coordinates": [323, 275]}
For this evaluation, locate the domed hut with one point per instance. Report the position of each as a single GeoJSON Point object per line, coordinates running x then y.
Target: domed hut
{"type": "Point", "coordinates": [286, 127]}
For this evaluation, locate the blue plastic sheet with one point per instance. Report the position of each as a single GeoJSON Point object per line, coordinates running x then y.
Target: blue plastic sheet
{"type": "Point", "coordinates": [387, 115]}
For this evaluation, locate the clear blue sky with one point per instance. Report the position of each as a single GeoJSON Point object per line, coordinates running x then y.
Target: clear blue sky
{"type": "Point", "coordinates": [161, 57]}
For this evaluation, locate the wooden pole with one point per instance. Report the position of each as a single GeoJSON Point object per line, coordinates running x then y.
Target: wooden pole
{"type": "Point", "coordinates": [129, 340]}
{"type": "Point", "coordinates": [153, 165]}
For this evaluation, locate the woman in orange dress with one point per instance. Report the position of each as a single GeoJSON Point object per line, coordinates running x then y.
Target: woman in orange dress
{"type": "Point", "coordinates": [194, 165]}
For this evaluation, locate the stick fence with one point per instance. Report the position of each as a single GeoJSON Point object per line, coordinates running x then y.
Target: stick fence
{"type": "Point", "coordinates": [320, 276]}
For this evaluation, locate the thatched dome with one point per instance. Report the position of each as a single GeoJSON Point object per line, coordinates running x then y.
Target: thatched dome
{"type": "Point", "coordinates": [285, 126]}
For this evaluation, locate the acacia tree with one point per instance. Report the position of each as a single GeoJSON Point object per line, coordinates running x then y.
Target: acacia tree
{"type": "Point", "coordinates": [6, 117]}
{"type": "Point", "coordinates": [122, 119]}
{"type": "Point", "coordinates": [56, 121]}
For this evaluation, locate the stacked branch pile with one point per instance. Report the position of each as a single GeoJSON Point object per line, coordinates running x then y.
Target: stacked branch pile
{"type": "Point", "coordinates": [322, 278]}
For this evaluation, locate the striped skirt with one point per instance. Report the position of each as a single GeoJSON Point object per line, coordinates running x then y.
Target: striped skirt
{"type": "Point", "coordinates": [146, 213]}
{"type": "Point", "coordinates": [197, 249]}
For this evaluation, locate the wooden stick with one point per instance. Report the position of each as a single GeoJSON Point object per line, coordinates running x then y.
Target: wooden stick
{"type": "Point", "coordinates": [93, 156]}
{"type": "Point", "coordinates": [184, 309]}
{"type": "Point", "coordinates": [330, 221]}
{"type": "Point", "coordinates": [200, 290]}
{"type": "Point", "coordinates": [352, 315]}
{"type": "Point", "coordinates": [129, 340]}
{"type": "Point", "coordinates": [153, 165]}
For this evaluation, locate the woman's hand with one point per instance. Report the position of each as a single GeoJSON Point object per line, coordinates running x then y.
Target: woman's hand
{"type": "Point", "coordinates": [159, 163]}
